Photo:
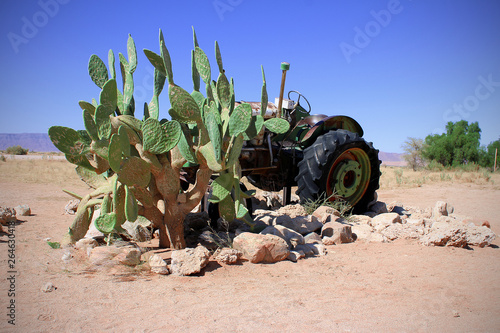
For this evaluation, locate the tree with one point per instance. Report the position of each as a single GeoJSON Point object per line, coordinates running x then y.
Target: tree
{"type": "Point", "coordinates": [487, 154]}
{"type": "Point", "coordinates": [459, 145]}
{"type": "Point", "coordinates": [413, 153]}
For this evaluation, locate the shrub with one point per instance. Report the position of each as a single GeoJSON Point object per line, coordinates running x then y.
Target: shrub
{"type": "Point", "coordinates": [17, 150]}
{"type": "Point", "coordinates": [435, 166]}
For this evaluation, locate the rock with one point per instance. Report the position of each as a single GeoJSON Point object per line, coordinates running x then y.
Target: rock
{"type": "Point", "coordinates": [479, 236]}
{"type": "Point", "coordinates": [301, 224]}
{"type": "Point", "coordinates": [71, 207]}
{"type": "Point", "coordinates": [332, 240]}
{"type": "Point", "coordinates": [440, 209]}
{"type": "Point", "coordinates": [379, 207]}
{"type": "Point", "coordinates": [360, 219]}
{"type": "Point", "coordinates": [228, 256]}
{"type": "Point", "coordinates": [376, 237]}
{"type": "Point", "coordinates": [7, 215]}
{"type": "Point", "coordinates": [325, 214]}
{"type": "Point", "coordinates": [67, 256]}
{"type": "Point", "coordinates": [370, 214]}
{"type": "Point", "coordinates": [261, 248]}
{"type": "Point", "coordinates": [319, 249]}
{"type": "Point", "coordinates": [419, 222]}
{"type": "Point", "coordinates": [93, 232]}
{"type": "Point", "coordinates": [104, 255]}
{"type": "Point", "coordinates": [140, 230]}
{"type": "Point", "coordinates": [86, 245]}
{"type": "Point", "coordinates": [292, 210]}
{"type": "Point", "coordinates": [158, 265]}
{"type": "Point", "coordinates": [270, 198]}
{"type": "Point", "coordinates": [23, 210]}
{"type": "Point", "coordinates": [341, 233]}
{"type": "Point", "coordinates": [307, 249]}
{"type": "Point", "coordinates": [382, 221]}
{"type": "Point", "coordinates": [295, 255]}
{"type": "Point", "coordinates": [265, 219]}
{"type": "Point", "coordinates": [486, 224]}
{"type": "Point", "coordinates": [450, 209]}
{"type": "Point", "coordinates": [292, 237]}
{"type": "Point", "coordinates": [446, 234]}
{"type": "Point", "coordinates": [362, 231]}
{"type": "Point", "coordinates": [129, 256]}
{"type": "Point", "coordinates": [48, 287]}
{"type": "Point", "coordinates": [189, 261]}
{"type": "Point", "coordinates": [312, 238]}
{"type": "Point", "coordinates": [197, 221]}
{"type": "Point", "coordinates": [392, 232]}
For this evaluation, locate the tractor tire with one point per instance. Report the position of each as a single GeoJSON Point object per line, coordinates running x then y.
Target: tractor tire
{"type": "Point", "coordinates": [340, 164]}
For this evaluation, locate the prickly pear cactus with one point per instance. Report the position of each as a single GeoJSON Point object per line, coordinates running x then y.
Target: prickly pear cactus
{"type": "Point", "coordinates": [140, 160]}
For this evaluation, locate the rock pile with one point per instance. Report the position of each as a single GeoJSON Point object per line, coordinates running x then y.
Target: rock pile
{"type": "Point", "coordinates": [290, 234]}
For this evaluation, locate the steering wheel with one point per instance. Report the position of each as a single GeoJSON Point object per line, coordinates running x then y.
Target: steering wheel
{"type": "Point", "coordinates": [298, 100]}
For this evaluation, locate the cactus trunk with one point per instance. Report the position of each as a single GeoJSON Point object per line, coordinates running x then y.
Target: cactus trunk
{"type": "Point", "coordinates": [174, 222]}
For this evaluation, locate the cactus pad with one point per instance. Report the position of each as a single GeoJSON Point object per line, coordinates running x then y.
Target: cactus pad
{"type": "Point", "coordinates": [219, 58]}
{"type": "Point", "coordinates": [87, 106]}
{"type": "Point", "coordinates": [111, 64]}
{"type": "Point", "coordinates": [172, 133]}
{"type": "Point", "coordinates": [277, 125]}
{"type": "Point", "coordinates": [221, 187]}
{"type": "Point", "coordinates": [90, 126]}
{"type": "Point", "coordinates": [132, 55]}
{"type": "Point", "coordinates": [68, 140]}
{"type": "Point", "coordinates": [202, 65]}
{"type": "Point", "coordinates": [240, 119]}
{"type": "Point", "coordinates": [103, 122]}
{"type": "Point", "coordinates": [108, 96]}
{"type": "Point", "coordinates": [135, 172]}
{"type": "Point", "coordinates": [224, 91]}
{"type": "Point", "coordinates": [105, 223]}
{"type": "Point", "coordinates": [115, 153]}
{"type": "Point", "coordinates": [131, 207]}
{"type": "Point", "coordinates": [184, 107]}
{"type": "Point", "coordinates": [98, 71]}
{"type": "Point", "coordinates": [154, 139]}
{"type": "Point", "coordinates": [156, 60]}
{"type": "Point", "coordinates": [226, 209]}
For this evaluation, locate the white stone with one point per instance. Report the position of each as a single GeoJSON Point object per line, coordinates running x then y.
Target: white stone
{"type": "Point", "coordinates": [295, 255]}
{"type": "Point", "coordinates": [189, 261]}
{"type": "Point", "coordinates": [158, 265]}
{"type": "Point", "coordinates": [292, 237]}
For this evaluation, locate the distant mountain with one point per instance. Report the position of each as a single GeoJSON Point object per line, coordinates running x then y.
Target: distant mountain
{"type": "Point", "coordinates": [393, 159]}
{"type": "Point", "coordinates": [40, 142]}
{"type": "Point", "coordinates": [35, 142]}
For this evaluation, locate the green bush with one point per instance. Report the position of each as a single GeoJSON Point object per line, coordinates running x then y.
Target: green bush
{"type": "Point", "coordinates": [2, 158]}
{"type": "Point", "coordinates": [17, 150]}
{"type": "Point", "coordinates": [435, 166]}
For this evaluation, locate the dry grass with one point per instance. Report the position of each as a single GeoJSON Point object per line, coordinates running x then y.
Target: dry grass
{"type": "Point", "coordinates": [40, 171]}
{"type": "Point", "coordinates": [404, 177]}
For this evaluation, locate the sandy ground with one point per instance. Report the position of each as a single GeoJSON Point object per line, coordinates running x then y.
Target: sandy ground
{"type": "Point", "coordinates": [359, 287]}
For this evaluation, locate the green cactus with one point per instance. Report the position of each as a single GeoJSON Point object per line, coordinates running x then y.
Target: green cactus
{"type": "Point", "coordinates": [138, 162]}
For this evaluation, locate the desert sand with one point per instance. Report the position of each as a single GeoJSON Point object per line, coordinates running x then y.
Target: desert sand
{"type": "Point", "coordinates": [359, 287]}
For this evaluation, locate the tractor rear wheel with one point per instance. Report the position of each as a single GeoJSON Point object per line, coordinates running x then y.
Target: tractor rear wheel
{"type": "Point", "coordinates": [340, 164]}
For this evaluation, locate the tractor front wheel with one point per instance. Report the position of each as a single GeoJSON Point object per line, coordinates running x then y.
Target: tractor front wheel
{"type": "Point", "coordinates": [340, 164]}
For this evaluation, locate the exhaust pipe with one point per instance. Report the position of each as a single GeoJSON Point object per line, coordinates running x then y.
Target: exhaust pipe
{"type": "Point", "coordinates": [284, 67]}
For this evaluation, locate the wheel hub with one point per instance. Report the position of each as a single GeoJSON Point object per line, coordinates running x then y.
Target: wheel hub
{"type": "Point", "coordinates": [348, 178]}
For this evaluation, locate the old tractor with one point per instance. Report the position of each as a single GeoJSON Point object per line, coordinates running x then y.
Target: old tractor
{"type": "Point", "coordinates": [322, 155]}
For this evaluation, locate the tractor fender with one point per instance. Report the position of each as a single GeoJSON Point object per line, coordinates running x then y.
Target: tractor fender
{"type": "Point", "coordinates": [331, 123]}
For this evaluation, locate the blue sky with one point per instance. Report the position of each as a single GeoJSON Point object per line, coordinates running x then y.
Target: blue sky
{"type": "Point", "coordinates": [400, 68]}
